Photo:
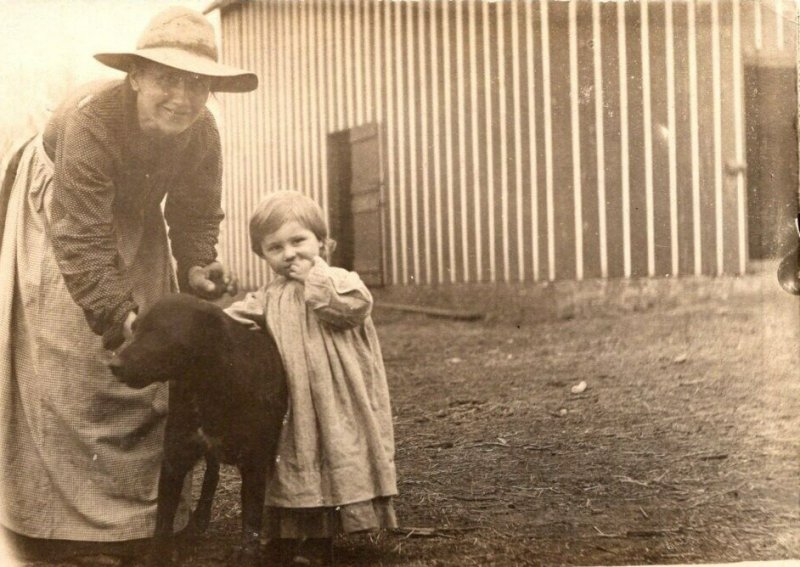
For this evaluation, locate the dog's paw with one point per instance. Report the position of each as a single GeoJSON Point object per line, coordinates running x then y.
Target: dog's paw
{"type": "Point", "coordinates": [162, 558]}
{"type": "Point", "coordinates": [198, 523]}
{"type": "Point", "coordinates": [248, 556]}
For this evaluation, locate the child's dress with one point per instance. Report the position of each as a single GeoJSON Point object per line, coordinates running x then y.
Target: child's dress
{"type": "Point", "coordinates": [335, 466]}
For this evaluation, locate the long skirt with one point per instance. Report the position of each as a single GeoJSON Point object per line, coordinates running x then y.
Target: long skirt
{"type": "Point", "coordinates": [80, 452]}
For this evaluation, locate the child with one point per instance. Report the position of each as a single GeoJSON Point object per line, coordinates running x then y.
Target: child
{"type": "Point", "coordinates": [335, 467]}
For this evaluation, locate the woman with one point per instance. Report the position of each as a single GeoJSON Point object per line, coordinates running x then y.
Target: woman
{"type": "Point", "coordinates": [84, 247]}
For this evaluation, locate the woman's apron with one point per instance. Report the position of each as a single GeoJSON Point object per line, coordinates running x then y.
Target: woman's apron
{"type": "Point", "coordinates": [80, 452]}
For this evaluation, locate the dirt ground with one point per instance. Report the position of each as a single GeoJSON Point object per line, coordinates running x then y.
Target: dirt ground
{"type": "Point", "coordinates": [683, 448]}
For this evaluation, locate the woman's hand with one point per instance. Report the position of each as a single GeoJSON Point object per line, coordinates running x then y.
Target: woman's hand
{"type": "Point", "coordinates": [119, 333]}
{"type": "Point", "coordinates": [212, 281]}
{"type": "Point", "coordinates": [127, 326]}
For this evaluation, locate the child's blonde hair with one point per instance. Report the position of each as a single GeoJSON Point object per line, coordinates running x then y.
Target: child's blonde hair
{"type": "Point", "coordinates": [285, 206]}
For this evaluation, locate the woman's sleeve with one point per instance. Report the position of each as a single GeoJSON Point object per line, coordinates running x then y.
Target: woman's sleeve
{"type": "Point", "coordinates": [249, 311]}
{"type": "Point", "coordinates": [82, 230]}
{"type": "Point", "coordinates": [193, 208]}
{"type": "Point", "coordinates": [336, 296]}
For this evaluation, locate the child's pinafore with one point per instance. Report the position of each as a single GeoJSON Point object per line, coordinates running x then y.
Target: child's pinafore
{"type": "Point", "coordinates": [336, 452]}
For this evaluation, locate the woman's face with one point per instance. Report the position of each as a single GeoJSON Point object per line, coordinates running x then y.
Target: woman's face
{"type": "Point", "coordinates": [168, 101]}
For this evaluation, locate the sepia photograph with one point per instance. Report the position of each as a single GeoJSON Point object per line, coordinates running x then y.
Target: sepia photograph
{"type": "Point", "coordinates": [421, 283]}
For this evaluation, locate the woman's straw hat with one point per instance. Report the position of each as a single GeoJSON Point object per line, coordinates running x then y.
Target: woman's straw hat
{"type": "Point", "coordinates": [184, 39]}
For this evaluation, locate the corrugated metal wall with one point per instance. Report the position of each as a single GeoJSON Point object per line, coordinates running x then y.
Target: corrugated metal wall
{"type": "Point", "coordinates": [523, 141]}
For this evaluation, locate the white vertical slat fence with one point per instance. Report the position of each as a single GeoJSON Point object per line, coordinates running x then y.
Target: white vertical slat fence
{"type": "Point", "coordinates": [481, 166]}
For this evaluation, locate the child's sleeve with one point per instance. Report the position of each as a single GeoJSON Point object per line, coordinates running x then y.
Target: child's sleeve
{"type": "Point", "coordinates": [249, 311]}
{"type": "Point", "coordinates": [336, 296]}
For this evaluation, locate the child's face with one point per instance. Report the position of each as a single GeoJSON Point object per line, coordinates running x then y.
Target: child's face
{"type": "Point", "coordinates": [288, 245]}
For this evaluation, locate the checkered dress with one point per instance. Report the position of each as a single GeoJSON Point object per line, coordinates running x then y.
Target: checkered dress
{"type": "Point", "coordinates": [84, 241]}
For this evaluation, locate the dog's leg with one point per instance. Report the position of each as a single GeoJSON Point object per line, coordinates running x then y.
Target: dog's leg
{"type": "Point", "coordinates": [202, 513]}
{"type": "Point", "coordinates": [182, 449]}
{"type": "Point", "coordinates": [253, 473]}
{"type": "Point", "coordinates": [170, 486]}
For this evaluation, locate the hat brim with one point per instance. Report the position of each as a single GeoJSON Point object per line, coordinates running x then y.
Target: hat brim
{"type": "Point", "coordinates": [224, 77]}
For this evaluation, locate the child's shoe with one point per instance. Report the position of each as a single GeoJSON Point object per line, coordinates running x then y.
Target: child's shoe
{"type": "Point", "coordinates": [278, 552]}
{"type": "Point", "coordinates": [313, 552]}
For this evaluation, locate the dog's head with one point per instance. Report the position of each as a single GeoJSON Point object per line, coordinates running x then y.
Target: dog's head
{"type": "Point", "coordinates": [171, 340]}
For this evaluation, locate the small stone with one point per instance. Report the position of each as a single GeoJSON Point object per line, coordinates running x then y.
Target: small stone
{"type": "Point", "coordinates": [579, 388]}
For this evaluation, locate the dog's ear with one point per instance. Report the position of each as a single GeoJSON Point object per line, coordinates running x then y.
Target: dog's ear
{"type": "Point", "coordinates": [206, 324]}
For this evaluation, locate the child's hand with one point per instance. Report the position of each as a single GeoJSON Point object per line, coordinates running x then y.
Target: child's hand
{"type": "Point", "coordinates": [300, 268]}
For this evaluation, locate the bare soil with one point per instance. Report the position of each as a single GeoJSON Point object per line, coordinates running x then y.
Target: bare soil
{"type": "Point", "coordinates": [684, 447]}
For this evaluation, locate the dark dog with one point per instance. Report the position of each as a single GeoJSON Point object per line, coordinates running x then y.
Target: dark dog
{"type": "Point", "coordinates": [227, 402]}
